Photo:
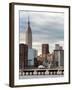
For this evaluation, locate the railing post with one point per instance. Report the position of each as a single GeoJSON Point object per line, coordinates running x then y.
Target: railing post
{"type": "Point", "coordinates": [44, 73]}
{"type": "Point", "coordinates": [49, 72]}
{"type": "Point", "coordinates": [40, 72]}
{"type": "Point", "coordinates": [28, 73]}
{"type": "Point", "coordinates": [55, 72]}
{"type": "Point", "coordinates": [52, 72]}
{"type": "Point", "coordinates": [24, 72]}
{"type": "Point", "coordinates": [32, 72]}
{"type": "Point", "coordinates": [37, 72]}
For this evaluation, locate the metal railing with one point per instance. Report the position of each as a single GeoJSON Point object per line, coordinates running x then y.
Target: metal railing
{"type": "Point", "coordinates": [41, 72]}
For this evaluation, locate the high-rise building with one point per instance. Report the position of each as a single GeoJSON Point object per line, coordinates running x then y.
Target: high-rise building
{"type": "Point", "coordinates": [29, 35]}
{"type": "Point", "coordinates": [32, 55]}
{"type": "Point", "coordinates": [61, 48]}
{"type": "Point", "coordinates": [23, 56]}
{"type": "Point", "coordinates": [59, 57]}
{"type": "Point", "coordinates": [45, 48]}
{"type": "Point", "coordinates": [45, 51]}
{"type": "Point", "coordinates": [57, 47]}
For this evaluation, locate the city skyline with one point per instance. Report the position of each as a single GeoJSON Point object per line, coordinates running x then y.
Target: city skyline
{"type": "Point", "coordinates": [49, 29]}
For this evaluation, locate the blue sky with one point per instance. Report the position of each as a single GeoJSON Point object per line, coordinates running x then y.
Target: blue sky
{"type": "Point", "coordinates": [47, 27]}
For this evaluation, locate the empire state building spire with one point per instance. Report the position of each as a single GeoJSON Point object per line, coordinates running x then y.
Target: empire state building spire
{"type": "Point", "coordinates": [29, 35]}
{"type": "Point", "coordinates": [28, 22]}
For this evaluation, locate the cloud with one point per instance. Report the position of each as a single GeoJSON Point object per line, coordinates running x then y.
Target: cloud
{"type": "Point", "coordinates": [47, 27]}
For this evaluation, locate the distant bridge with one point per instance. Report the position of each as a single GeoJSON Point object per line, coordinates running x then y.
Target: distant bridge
{"type": "Point", "coordinates": [41, 72]}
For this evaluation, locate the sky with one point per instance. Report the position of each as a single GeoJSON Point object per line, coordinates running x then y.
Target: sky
{"type": "Point", "coordinates": [47, 27]}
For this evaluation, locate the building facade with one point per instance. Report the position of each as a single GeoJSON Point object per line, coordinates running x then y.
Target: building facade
{"type": "Point", "coordinates": [45, 49]}
{"type": "Point", "coordinates": [23, 56]}
{"type": "Point", "coordinates": [59, 58]}
{"type": "Point", "coordinates": [57, 47]}
{"type": "Point", "coordinates": [32, 56]}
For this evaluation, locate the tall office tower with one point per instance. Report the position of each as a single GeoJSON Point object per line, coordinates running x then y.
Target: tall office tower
{"type": "Point", "coordinates": [45, 51]}
{"type": "Point", "coordinates": [61, 48]}
{"type": "Point", "coordinates": [29, 35]}
{"type": "Point", "coordinates": [32, 55]}
{"type": "Point", "coordinates": [45, 48]}
{"type": "Point", "coordinates": [57, 46]}
{"type": "Point", "coordinates": [59, 57]}
{"type": "Point", "coordinates": [23, 56]}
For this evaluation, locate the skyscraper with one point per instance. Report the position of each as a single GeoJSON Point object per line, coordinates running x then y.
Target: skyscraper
{"type": "Point", "coordinates": [45, 51]}
{"type": "Point", "coordinates": [59, 56]}
{"type": "Point", "coordinates": [29, 35]}
{"type": "Point", "coordinates": [23, 56]}
{"type": "Point", "coordinates": [57, 46]}
{"type": "Point", "coordinates": [45, 48]}
{"type": "Point", "coordinates": [32, 55]}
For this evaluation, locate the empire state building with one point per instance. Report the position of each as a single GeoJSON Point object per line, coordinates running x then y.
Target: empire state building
{"type": "Point", "coordinates": [29, 35]}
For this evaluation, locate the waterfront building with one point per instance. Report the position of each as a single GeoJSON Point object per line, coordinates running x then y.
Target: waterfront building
{"type": "Point", "coordinates": [57, 47]}
{"type": "Point", "coordinates": [49, 61]}
{"type": "Point", "coordinates": [23, 56]}
{"type": "Point", "coordinates": [32, 56]}
{"type": "Point", "coordinates": [59, 57]}
{"type": "Point", "coordinates": [40, 60]}
{"type": "Point", "coordinates": [45, 49]}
